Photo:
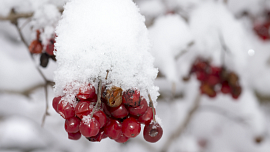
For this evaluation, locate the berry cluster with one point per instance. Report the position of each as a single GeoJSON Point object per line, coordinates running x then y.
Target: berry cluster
{"type": "Point", "coordinates": [215, 79]}
{"type": "Point", "coordinates": [36, 47]}
{"type": "Point", "coordinates": [262, 28]}
{"type": "Point", "coordinates": [110, 113]}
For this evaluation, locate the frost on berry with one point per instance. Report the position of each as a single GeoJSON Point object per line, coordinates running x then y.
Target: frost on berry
{"type": "Point", "coordinates": [89, 126]}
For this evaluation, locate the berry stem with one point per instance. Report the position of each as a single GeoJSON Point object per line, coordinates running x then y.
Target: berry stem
{"type": "Point", "coordinates": [98, 99]}
{"type": "Point", "coordinates": [107, 74]}
{"type": "Point", "coordinates": [152, 106]}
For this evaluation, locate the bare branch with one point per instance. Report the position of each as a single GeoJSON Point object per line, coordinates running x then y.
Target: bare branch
{"type": "Point", "coordinates": [183, 125]}
{"type": "Point", "coordinates": [26, 92]}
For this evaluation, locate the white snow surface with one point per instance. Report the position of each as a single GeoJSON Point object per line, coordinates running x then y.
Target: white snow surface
{"type": "Point", "coordinates": [96, 36]}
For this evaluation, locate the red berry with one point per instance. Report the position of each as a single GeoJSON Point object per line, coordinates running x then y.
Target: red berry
{"type": "Point", "coordinates": [72, 124]}
{"type": "Point", "coordinates": [131, 98]}
{"type": "Point", "coordinates": [119, 112]}
{"type": "Point", "coordinates": [131, 127]}
{"type": "Point", "coordinates": [201, 76]}
{"type": "Point", "coordinates": [105, 109]}
{"type": "Point", "coordinates": [65, 109]}
{"type": "Point", "coordinates": [213, 80]}
{"type": "Point", "coordinates": [216, 71]}
{"type": "Point", "coordinates": [86, 92]}
{"type": "Point", "coordinates": [101, 135]}
{"type": "Point", "coordinates": [55, 102]}
{"type": "Point", "coordinates": [89, 127]}
{"type": "Point", "coordinates": [122, 139]}
{"type": "Point", "coordinates": [36, 47]}
{"type": "Point", "coordinates": [225, 88]}
{"type": "Point", "coordinates": [236, 91]}
{"type": "Point", "coordinates": [74, 136]}
{"type": "Point", "coordinates": [101, 117]}
{"type": "Point", "coordinates": [82, 109]}
{"type": "Point", "coordinates": [137, 111]}
{"type": "Point", "coordinates": [147, 117]}
{"type": "Point", "coordinates": [262, 30]}
{"type": "Point", "coordinates": [113, 129]}
{"type": "Point", "coordinates": [152, 132]}
{"type": "Point", "coordinates": [50, 47]}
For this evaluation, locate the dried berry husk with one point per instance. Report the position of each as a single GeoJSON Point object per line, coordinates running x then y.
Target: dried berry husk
{"type": "Point", "coordinates": [114, 96]}
{"type": "Point", "coordinates": [44, 60]}
{"type": "Point", "coordinates": [53, 57]}
{"type": "Point", "coordinates": [233, 79]}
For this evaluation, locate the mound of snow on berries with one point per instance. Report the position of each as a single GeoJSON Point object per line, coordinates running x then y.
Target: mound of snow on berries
{"type": "Point", "coordinates": [99, 35]}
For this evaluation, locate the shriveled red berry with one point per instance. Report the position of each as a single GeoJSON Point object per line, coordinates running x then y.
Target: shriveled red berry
{"type": "Point", "coordinates": [72, 124]}
{"type": "Point", "coordinates": [101, 117]}
{"type": "Point", "coordinates": [55, 102]}
{"type": "Point", "coordinates": [122, 139]}
{"type": "Point", "coordinates": [89, 127]}
{"type": "Point", "coordinates": [74, 136]}
{"type": "Point", "coordinates": [65, 109]}
{"type": "Point", "coordinates": [82, 109]}
{"type": "Point", "coordinates": [225, 88]}
{"type": "Point", "coordinates": [152, 132]}
{"type": "Point", "coordinates": [86, 92]}
{"type": "Point", "coordinates": [101, 135]}
{"type": "Point", "coordinates": [35, 47]}
{"type": "Point", "coordinates": [131, 98]}
{"type": "Point", "coordinates": [147, 117]}
{"type": "Point", "coordinates": [113, 129]}
{"type": "Point", "coordinates": [137, 111]}
{"type": "Point", "coordinates": [50, 47]}
{"type": "Point", "coordinates": [201, 76]}
{"type": "Point", "coordinates": [119, 112]}
{"type": "Point", "coordinates": [236, 91]}
{"type": "Point", "coordinates": [212, 80]}
{"type": "Point", "coordinates": [131, 127]}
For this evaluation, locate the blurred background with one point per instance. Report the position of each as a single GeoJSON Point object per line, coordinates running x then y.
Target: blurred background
{"type": "Point", "coordinates": [214, 77]}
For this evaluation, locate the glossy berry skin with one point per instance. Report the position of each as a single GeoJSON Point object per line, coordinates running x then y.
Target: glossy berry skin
{"type": "Point", "coordinates": [152, 132]}
{"type": "Point", "coordinates": [74, 136]}
{"type": "Point", "coordinates": [137, 111]}
{"type": "Point", "coordinates": [100, 117]}
{"type": "Point", "coordinates": [86, 92]}
{"type": "Point", "coordinates": [122, 139]}
{"type": "Point", "coordinates": [101, 135]}
{"type": "Point", "coordinates": [131, 127]}
{"type": "Point", "coordinates": [119, 112]}
{"type": "Point", "coordinates": [113, 129]}
{"type": "Point", "coordinates": [131, 98]}
{"type": "Point", "coordinates": [82, 109]}
{"type": "Point", "coordinates": [55, 102]}
{"type": "Point", "coordinates": [147, 117]}
{"type": "Point", "coordinates": [65, 109]}
{"type": "Point", "coordinates": [72, 125]}
{"type": "Point", "coordinates": [91, 128]}
{"type": "Point", "coordinates": [36, 47]}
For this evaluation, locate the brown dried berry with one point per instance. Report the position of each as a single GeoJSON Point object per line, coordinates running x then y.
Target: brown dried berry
{"type": "Point", "coordinates": [35, 47]}
{"type": "Point", "coordinates": [114, 96]}
{"type": "Point", "coordinates": [233, 79]}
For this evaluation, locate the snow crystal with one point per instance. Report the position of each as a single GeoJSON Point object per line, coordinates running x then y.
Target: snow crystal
{"type": "Point", "coordinates": [96, 36]}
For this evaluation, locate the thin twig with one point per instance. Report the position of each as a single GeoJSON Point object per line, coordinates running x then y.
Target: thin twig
{"type": "Point", "coordinates": [184, 51]}
{"type": "Point", "coordinates": [152, 106]}
{"type": "Point", "coordinates": [13, 17]}
{"type": "Point", "coordinates": [47, 105]}
{"type": "Point", "coordinates": [183, 125]}
{"type": "Point", "coordinates": [99, 96]}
